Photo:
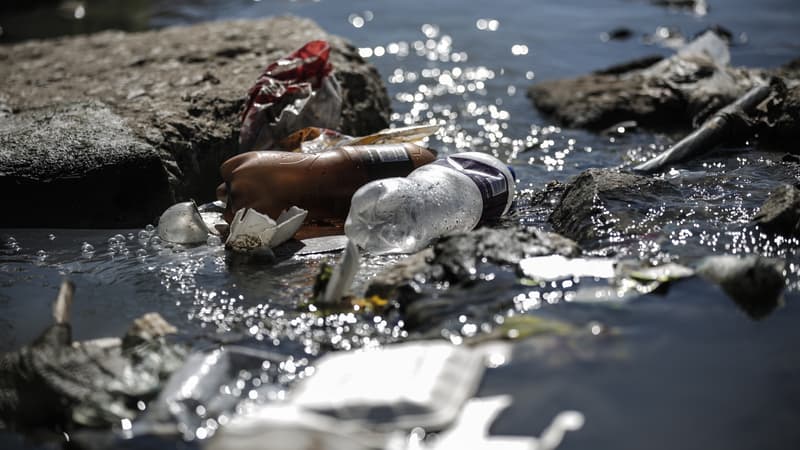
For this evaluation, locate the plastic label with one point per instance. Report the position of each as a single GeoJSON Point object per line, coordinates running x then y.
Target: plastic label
{"type": "Point", "coordinates": [384, 161]}
{"type": "Point", "coordinates": [491, 182]}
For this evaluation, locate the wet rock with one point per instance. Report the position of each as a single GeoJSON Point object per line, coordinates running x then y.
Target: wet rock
{"type": "Point", "coordinates": [671, 93]}
{"type": "Point", "coordinates": [602, 201]}
{"type": "Point", "coordinates": [443, 282]}
{"type": "Point", "coordinates": [755, 283]}
{"type": "Point", "coordinates": [77, 165]}
{"type": "Point", "coordinates": [780, 213]}
{"type": "Point", "coordinates": [455, 258]}
{"type": "Point", "coordinates": [122, 125]}
{"type": "Point", "coordinates": [55, 381]}
{"type": "Point", "coordinates": [775, 121]}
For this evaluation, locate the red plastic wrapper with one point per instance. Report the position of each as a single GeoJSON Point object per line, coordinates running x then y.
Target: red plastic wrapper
{"type": "Point", "coordinates": [292, 93]}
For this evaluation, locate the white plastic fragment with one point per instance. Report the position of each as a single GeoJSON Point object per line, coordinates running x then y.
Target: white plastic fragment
{"type": "Point", "coordinates": [182, 223]}
{"type": "Point", "coordinates": [252, 231]}
{"type": "Point", "coordinates": [343, 274]}
{"type": "Point", "coordinates": [556, 267]}
{"type": "Point", "coordinates": [212, 216]}
{"type": "Point", "coordinates": [288, 223]}
{"type": "Point", "coordinates": [420, 384]}
{"type": "Point", "coordinates": [323, 244]}
{"type": "Point", "coordinates": [287, 427]}
{"type": "Point", "coordinates": [472, 428]}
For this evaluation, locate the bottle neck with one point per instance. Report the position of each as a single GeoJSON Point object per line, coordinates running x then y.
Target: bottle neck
{"type": "Point", "coordinates": [490, 181]}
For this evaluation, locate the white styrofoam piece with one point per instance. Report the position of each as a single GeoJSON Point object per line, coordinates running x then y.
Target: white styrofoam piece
{"type": "Point", "coordinates": [288, 427]}
{"type": "Point", "coordinates": [555, 267]}
{"type": "Point", "coordinates": [419, 384]}
{"type": "Point", "coordinates": [251, 230]}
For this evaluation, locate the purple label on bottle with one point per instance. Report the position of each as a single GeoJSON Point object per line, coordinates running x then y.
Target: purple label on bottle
{"type": "Point", "coordinates": [491, 183]}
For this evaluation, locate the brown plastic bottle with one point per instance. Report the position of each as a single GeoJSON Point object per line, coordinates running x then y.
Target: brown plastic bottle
{"type": "Point", "coordinates": [322, 183]}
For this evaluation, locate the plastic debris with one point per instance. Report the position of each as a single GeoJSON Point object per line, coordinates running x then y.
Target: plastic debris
{"type": "Point", "coordinates": [251, 231]}
{"type": "Point", "coordinates": [323, 244]}
{"type": "Point", "coordinates": [472, 429]}
{"type": "Point", "coordinates": [207, 386]}
{"type": "Point", "coordinates": [420, 384]}
{"type": "Point", "coordinates": [288, 427]}
{"type": "Point", "coordinates": [182, 223]}
{"type": "Point", "coordinates": [292, 93]}
{"type": "Point", "coordinates": [403, 215]}
{"type": "Point", "coordinates": [323, 184]}
{"type": "Point", "coordinates": [342, 276]}
{"type": "Point", "coordinates": [556, 267]}
{"type": "Point", "coordinates": [55, 381]}
{"type": "Point", "coordinates": [315, 140]}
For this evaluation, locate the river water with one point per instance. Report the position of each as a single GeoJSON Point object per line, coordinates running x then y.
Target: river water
{"type": "Point", "coordinates": [688, 369]}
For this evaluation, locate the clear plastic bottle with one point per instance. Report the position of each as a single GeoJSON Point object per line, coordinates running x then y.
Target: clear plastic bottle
{"type": "Point", "coordinates": [402, 215]}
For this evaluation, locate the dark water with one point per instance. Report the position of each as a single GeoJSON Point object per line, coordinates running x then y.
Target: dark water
{"type": "Point", "coordinates": [688, 369]}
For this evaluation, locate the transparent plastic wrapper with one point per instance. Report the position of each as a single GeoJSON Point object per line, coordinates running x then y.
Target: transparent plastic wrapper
{"type": "Point", "coordinates": [205, 390]}
{"type": "Point", "coordinates": [292, 93]}
{"type": "Point", "coordinates": [315, 140]}
{"type": "Point", "coordinates": [182, 223]}
{"type": "Point", "coordinates": [455, 194]}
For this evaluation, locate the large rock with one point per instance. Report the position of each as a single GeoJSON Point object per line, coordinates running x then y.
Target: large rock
{"type": "Point", "coordinates": [780, 213]}
{"type": "Point", "coordinates": [670, 93]}
{"type": "Point", "coordinates": [117, 126]}
{"type": "Point", "coordinates": [78, 165]}
{"type": "Point", "coordinates": [440, 283]}
{"type": "Point", "coordinates": [455, 258]}
{"type": "Point", "coordinates": [601, 203]}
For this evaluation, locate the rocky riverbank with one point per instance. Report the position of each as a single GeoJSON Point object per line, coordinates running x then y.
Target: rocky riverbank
{"type": "Point", "coordinates": [109, 129]}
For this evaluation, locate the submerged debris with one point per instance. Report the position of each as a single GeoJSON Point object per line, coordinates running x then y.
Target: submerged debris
{"type": "Point", "coordinates": [55, 381]}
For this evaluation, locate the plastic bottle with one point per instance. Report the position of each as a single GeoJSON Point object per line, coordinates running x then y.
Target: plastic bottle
{"type": "Point", "coordinates": [323, 183]}
{"type": "Point", "coordinates": [402, 215]}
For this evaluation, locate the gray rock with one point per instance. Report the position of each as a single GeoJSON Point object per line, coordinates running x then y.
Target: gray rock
{"type": "Point", "coordinates": [600, 202]}
{"type": "Point", "coordinates": [78, 165]}
{"type": "Point", "coordinates": [780, 213]}
{"type": "Point", "coordinates": [755, 283]}
{"type": "Point", "coordinates": [443, 282]}
{"type": "Point", "coordinates": [775, 122]}
{"type": "Point", "coordinates": [455, 258]}
{"type": "Point", "coordinates": [167, 103]}
{"type": "Point", "coordinates": [664, 94]}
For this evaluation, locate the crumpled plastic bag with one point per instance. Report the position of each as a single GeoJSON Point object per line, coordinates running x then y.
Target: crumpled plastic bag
{"type": "Point", "coordinates": [251, 231]}
{"type": "Point", "coordinates": [292, 93]}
